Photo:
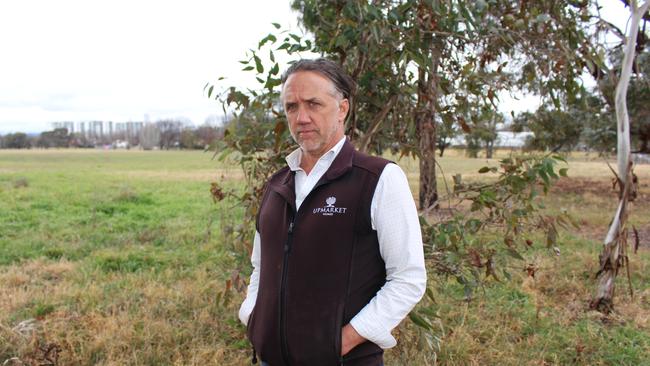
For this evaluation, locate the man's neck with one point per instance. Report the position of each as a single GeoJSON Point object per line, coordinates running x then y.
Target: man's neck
{"type": "Point", "coordinates": [308, 161]}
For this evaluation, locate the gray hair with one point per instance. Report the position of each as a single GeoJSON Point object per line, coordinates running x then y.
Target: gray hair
{"type": "Point", "coordinates": [327, 68]}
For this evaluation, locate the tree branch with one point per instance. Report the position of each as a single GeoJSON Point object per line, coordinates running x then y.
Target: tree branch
{"type": "Point", "coordinates": [376, 123]}
{"type": "Point", "coordinates": [646, 15]}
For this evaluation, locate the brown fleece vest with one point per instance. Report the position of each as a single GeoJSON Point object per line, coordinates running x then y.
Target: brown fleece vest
{"type": "Point", "coordinates": [319, 266]}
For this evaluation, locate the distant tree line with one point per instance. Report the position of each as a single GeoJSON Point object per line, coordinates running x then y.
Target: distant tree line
{"type": "Point", "coordinates": [163, 134]}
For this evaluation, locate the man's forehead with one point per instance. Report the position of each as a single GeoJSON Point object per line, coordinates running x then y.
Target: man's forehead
{"type": "Point", "coordinates": [307, 85]}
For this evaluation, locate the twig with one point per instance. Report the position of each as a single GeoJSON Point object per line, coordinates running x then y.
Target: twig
{"type": "Point", "coordinates": [444, 180]}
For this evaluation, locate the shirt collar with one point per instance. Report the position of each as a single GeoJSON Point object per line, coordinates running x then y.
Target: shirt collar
{"type": "Point", "coordinates": [294, 159]}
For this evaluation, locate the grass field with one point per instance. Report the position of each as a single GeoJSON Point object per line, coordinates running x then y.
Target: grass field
{"type": "Point", "coordinates": [120, 258]}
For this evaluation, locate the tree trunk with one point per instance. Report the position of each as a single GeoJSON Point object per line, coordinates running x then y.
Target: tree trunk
{"type": "Point", "coordinates": [614, 251]}
{"type": "Point", "coordinates": [425, 111]}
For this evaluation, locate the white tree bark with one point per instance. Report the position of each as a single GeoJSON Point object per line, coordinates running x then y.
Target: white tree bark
{"type": "Point", "coordinates": [613, 255]}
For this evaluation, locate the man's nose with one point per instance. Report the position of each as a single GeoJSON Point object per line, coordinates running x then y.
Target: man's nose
{"type": "Point", "coordinates": [303, 115]}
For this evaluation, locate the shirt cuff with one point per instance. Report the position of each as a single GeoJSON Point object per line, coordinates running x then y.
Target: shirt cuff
{"type": "Point", "coordinates": [372, 330]}
{"type": "Point", "coordinates": [245, 311]}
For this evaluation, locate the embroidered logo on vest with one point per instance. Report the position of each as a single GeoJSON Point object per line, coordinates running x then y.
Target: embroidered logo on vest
{"type": "Point", "coordinates": [329, 209]}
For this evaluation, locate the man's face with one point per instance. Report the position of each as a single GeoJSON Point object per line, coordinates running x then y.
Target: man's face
{"type": "Point", "coordinates": [315, 111]}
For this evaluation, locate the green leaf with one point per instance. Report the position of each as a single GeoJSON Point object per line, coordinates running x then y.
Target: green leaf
{"type": "Point", "coordinates": [275, 69]}
{"type": "Point", "coordinates": [419, 321]}
{"type": "Point", "coordinates": [272, 82]}
{"type": "Point", "coordinates": [563, 172]}
{"type": "Point", "coordinates": [276, 25]}
{"type": "Point", "coordinates": [271, 56]}
{"type": "Point", "coordinates": [560, 158]}
{"type": "Point", "coordinates": [210, 91]}
{"type": "Point", "coordinates": [484, 169]}
{"type": "Point", "coordinates": [269, 38]}
{"type": "Point", "coordinates": [295, 37]}
{"type": "Point", "coordinates": [248, 68]}
{"type": "Point", "coordinates": [258, 64]}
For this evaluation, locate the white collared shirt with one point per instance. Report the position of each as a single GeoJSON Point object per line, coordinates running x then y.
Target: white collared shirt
{"type": "Point", "coordinates": [395, 218]}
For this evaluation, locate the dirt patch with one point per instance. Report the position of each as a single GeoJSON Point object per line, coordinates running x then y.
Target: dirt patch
{"type": "Point", "coordinates": [580, 186]}
{"type": "Point", "coordinates": [600, 187]}
{"type": "Point", "coordinates": [598, 234]}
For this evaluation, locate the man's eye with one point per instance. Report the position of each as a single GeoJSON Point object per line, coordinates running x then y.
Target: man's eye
{"type": "Point", "coordinates": [313, 104]}
{"type": "Point", "coordinates": [290, 107]}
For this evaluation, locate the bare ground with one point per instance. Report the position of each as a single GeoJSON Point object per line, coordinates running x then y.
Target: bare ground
{"type": "Point", "coordinates": [606, 190]}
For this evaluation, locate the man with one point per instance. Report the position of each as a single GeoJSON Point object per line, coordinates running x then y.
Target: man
{"type": "Point", "coordinates": [337, 255]}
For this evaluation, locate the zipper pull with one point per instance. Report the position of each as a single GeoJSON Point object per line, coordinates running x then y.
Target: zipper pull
{"type": "Point", "coordinates": [290, 228]}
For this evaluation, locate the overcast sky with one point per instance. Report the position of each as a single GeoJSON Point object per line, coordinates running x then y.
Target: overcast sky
{"type": "Point", "coordinates": [120, 60]}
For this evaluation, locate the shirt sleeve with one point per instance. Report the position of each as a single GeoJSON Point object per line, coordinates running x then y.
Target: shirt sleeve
{"type": "Point", "coordinates": [247, 306]}
{"type": "Point", "coordinates": [395, 217]}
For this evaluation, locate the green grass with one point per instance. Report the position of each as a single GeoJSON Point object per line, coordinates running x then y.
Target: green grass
{"type": "Point", "coordinates": [122, 258]}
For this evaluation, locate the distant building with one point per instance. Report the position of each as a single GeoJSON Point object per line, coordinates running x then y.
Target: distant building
{"type": "Point", "coordinates": [67, 125]}
{"type": "Point", "coordinates": [102, 130]}
{"type": "Point", "coordinates": [505, 139]}
{"type": "Point", "coordinates": [512, 139]}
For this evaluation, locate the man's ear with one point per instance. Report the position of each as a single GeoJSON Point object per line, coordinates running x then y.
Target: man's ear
{"type": "Point", "coordinates": [344, 107]}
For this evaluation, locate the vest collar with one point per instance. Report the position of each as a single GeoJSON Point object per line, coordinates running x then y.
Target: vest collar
{"type": "Point", "coordinates": [341, 165]}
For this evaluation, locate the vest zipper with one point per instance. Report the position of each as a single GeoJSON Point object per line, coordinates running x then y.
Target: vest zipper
{"type": "Point", "coordinates": [287, 250]}
{"type": "Point", "coordinates": [283, 321]}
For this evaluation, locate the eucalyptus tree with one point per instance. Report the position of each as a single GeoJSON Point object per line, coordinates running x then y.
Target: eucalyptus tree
{"type": "Point", "coordinates": [614, 256]}
{"type": "Point", "coordinates": [417, 60]}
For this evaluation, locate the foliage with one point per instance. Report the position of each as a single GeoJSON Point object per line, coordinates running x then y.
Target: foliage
{"type": "Point", "coordinates": [580, 122]}
{"type": "Point", "coordinates": [480, 47]}
{"type": "Point", "coordinates": [59, 137]}
{"type": "Point", "coordinates": [484, 132]}
{"type": "Point", "coordinates": [416, 62]}
{"type": "Point", "coordinates": [200, 138]}
{"type": "Point", "coordinates": [18, 140]}
{"type": "Point", "coordinates": [446, 131]}
{"type": "Point", "coordinates": [170, 133]}
{"type": "Point", "coordinates": [505, 216]}
{"type": "Point", "coordinates": [505, 212]}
